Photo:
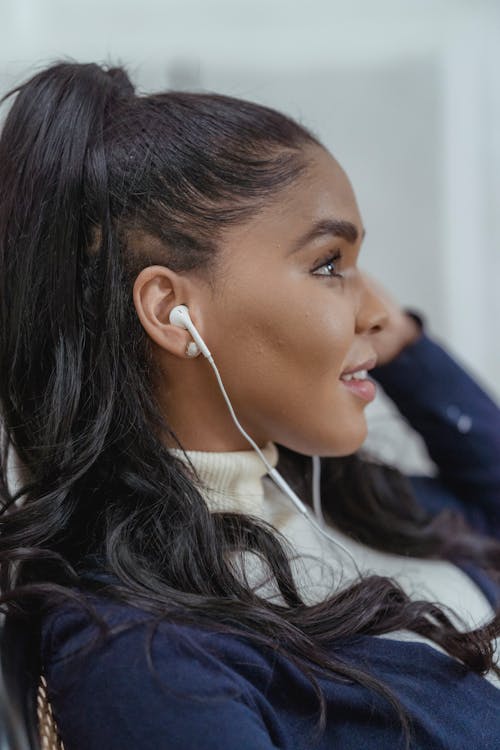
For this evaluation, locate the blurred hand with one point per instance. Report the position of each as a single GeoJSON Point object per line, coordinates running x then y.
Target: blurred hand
{"type": "Point", "coordinates": [400, 329]}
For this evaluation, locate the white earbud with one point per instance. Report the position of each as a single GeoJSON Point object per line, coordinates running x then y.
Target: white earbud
{"type": "Point", "coordinates": [179, 316]}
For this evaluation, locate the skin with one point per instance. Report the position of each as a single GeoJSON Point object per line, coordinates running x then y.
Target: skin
{"type": "Point", "coordinates": [280, 326]}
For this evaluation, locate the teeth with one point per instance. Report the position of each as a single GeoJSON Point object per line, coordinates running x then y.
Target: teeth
{"type": "Point", "coordinates": [359, 375]}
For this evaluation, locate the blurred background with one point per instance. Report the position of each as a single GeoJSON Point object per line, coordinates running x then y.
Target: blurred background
{"type": "Point", "coordinates": [403, 92]}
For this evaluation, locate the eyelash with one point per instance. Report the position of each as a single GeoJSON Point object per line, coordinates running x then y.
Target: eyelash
{"type": "Point", "coordinates": [331, 259]}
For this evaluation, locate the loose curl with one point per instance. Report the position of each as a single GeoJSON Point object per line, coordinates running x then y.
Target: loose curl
{"type": "Point", "coordinates": [95, 184]}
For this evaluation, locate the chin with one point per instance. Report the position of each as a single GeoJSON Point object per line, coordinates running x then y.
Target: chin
{"type": "Point", "coordinates": [348, 448]}
{"type": "Point", "coordinates": [338, 443]}
{"type": "Point", "coordinates": [341, 439]}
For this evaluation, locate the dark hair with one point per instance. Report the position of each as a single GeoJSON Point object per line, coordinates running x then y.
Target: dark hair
{"type": "Point", "coordinates": [95, 184]}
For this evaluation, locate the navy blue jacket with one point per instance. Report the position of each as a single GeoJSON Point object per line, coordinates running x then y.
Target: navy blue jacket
{"type": "Point", "coordinates": [215, 691]}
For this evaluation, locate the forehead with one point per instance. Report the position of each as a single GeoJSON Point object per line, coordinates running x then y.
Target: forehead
{"type": "Point", "coordinates": [322, 193]}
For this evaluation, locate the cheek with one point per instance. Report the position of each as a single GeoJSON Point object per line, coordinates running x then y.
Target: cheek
{"type": "Point", "coordinates": [313, 342]}
{"type": "Point", "coordinates": [274, 337]}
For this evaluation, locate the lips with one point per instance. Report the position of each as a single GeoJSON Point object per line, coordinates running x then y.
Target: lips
{"type": "Point", "coordinates": [356, 379]}
{"type": "Point", "coordinates": [368, 364]}
{"type": "Point", "coordinates": [366, 390]}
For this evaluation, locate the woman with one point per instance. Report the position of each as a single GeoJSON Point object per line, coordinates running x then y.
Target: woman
{"type": "Point", "coordinates": [181, 599]}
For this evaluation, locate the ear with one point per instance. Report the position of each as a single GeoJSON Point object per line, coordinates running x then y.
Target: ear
{"type": "Point", "coordinates": [156, 291]}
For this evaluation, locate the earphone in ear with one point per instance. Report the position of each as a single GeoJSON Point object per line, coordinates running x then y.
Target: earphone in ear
{"type": "Point", "coordinates": [179, 316]}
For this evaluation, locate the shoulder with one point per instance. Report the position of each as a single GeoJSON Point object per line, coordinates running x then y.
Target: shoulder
{"type": "Point", "coordinates": [133, 637]}
{"type": "Point", "coordinates": [147, 681]}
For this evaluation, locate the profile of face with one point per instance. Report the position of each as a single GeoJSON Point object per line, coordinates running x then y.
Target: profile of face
{"type": "Point", "coordinates": [287, 315]}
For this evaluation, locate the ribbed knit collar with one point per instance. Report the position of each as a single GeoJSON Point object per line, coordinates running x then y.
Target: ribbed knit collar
{"type": "Point", "coordinates": [231, 480]}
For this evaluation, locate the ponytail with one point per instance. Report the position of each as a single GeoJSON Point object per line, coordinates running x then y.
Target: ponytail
{"type": "Point", "coordinates": [54, 195]}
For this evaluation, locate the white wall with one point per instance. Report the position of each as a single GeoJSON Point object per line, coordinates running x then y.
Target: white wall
{"type": "Point", "coordinates": [405, 93]}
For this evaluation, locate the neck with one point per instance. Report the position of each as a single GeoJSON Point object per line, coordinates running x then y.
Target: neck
{"type": "Point", "coordinates": [230, 480]}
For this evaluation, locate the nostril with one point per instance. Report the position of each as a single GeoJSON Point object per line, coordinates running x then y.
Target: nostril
{"type": "Point", "coordinates": [379, 322]}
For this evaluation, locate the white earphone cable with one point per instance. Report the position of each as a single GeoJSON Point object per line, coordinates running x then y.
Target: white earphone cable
{"type": "Point", "coordinates": [316, 490]}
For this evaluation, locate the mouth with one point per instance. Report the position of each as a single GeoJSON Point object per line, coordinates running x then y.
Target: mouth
{"type": "Point", "coordinates": [356, 380]}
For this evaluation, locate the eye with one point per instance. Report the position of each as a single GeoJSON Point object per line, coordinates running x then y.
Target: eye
{"type": "Point", "coordinates": [329, 263]}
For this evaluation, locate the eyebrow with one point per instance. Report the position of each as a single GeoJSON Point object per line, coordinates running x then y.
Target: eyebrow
{"type": "Point", "coordinates": [328, 227]}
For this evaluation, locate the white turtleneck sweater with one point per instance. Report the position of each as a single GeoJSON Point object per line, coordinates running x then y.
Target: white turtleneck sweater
{"type": "Point", "coordinates": [236, 481]}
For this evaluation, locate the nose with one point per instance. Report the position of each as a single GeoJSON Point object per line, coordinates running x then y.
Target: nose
{"type": "Point", "coordinates": [372, 315]}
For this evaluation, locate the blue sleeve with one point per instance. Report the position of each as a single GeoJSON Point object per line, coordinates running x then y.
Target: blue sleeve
{"type": "Point", "coordinates": [460, 425]}
{"type": "Point", "coordinates": [190, 701]}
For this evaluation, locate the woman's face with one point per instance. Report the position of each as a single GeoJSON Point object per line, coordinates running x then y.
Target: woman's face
{"type": "Point", "coordinates": [283, 326]}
